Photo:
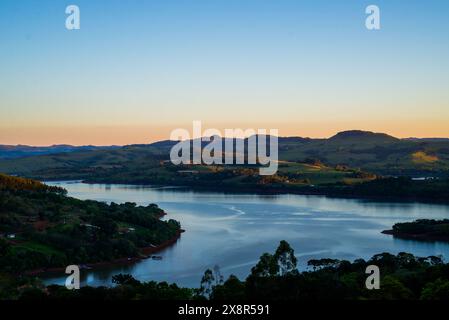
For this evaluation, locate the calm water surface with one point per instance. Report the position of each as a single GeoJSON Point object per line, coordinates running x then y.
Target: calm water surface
{"type": "Point", "coordinates": [233, 230]}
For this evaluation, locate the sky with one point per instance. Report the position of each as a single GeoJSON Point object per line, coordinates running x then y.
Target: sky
{"type": "Point", "coordinates": [138, 69]}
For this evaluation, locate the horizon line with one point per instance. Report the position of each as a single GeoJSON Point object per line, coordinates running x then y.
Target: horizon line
{"type": "Point", "coordinates": [156, 141]}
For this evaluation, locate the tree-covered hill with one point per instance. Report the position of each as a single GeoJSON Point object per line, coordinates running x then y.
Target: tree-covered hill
{"type": "Point", "coordinates": [422, 229]}
{"type": "Point", "coordinates": [40, 227]}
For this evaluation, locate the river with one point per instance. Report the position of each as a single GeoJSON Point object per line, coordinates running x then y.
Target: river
{"type": "Point", "coordinates": [233, 230]}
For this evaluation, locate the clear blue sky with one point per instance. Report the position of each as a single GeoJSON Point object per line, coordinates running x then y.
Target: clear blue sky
{"type": "Point", "coordinates": [139, 68]}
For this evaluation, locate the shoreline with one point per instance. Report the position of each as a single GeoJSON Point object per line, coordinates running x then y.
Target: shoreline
{"type": "Point", "coordinates": [144, 253]}
{"type": "Point", "coordinates": [417, 237]}
{"type": "Point", "coordinates": [305, 191]}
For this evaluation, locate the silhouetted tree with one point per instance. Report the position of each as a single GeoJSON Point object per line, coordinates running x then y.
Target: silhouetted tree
{"type": "Point", "coordinates": [266, 266]}
{"type": "Point", "coordinates": [285, 258]}
{"type": "Point", "coordinates": [207, 283]}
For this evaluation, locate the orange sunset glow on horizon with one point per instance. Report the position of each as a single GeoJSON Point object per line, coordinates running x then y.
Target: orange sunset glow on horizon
{"type": "Point", "coordinates": [142, 134]}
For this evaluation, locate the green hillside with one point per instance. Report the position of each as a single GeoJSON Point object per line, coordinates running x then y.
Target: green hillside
{"type": "Point", "coordinates": [366, 151]}
{"type": "Point", "coordinates": [40, 227]}
{"type": "Point", "coordinates": [374, 152]}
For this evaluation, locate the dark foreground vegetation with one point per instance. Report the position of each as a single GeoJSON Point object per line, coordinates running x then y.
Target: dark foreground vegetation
{"type": "Point", "coordinates": [41, 228]}
{"type": "Point", "coordinates": [274, 278]}
{"type": "Point", "coordinates": [423, 229]}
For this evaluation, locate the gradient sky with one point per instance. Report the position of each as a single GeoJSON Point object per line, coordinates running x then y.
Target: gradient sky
{"type": "Point", "coordinates": [139, 68]}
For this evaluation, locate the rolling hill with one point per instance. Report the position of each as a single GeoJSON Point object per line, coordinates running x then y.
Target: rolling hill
{"type": "Point", "coordinates": [378, 153]}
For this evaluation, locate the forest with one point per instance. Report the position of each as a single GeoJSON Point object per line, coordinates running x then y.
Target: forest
{"type": "Point", "coordinates": [422, 229]}
{"type": "Point", "coordinates": [41, 228]}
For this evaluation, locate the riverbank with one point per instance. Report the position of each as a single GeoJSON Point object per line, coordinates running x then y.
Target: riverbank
{"type": "Point", "coordinates": [421, 230]}
{"type": "Point", "coordinates": [144, 253]}
{"type": "Point", "coordinates": [376, 193]}
{"type": "Point", "coordinates": [417, 237]}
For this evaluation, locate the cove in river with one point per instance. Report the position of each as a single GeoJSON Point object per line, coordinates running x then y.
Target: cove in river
{"type": "Point", "coordinates": [233, 230]}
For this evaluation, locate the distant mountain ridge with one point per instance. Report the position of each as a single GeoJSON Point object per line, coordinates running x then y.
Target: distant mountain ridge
{"type": "Point", "coordinates": [428, 139]}
{"type": "Point", "coordinates": [20, 151]}
{"type": "Point", "coordinates": [365, 135]}
{"type": "Point", "coordinates": [378, 153]}
{"type": "Point", "coordinates": [16, 151]}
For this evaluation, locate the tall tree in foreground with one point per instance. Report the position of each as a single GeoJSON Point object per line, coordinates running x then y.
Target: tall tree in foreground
{"type": "Point", "coordinates": [285, 258]}
{"type": "Point", "coordinates": [210, 280]}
